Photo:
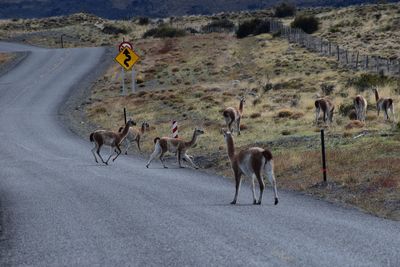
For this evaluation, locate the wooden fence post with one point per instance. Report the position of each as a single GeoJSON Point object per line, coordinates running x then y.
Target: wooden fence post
{"type": "Point", "coordinates": [338, 53]}
{"type": "Point", "coordinates": [357, 59]}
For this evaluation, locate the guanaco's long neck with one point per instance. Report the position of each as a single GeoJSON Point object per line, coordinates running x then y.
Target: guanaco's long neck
{"type": "Point", "coordinates": [241, 106]}
{"type": "Point", "coordinates": [231, 148]}
{"type": "Point", "coordinates": [124, 133]}
{"type": "Point", "coordinates": [193, 141]}
{"type": "Point", "coordinates": [376, 95]}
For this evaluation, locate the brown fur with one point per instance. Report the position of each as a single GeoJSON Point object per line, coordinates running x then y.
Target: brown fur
{"type": "Point", "coordinates": [234, 115]}
{"type": "Point", "coordinates": [360, 105]}
{"type": "Point", "coordinates": [135, 135]}
{"type": "Point", "coordinates": [109, 138]}
{"type": "Point", "coordinates": [174, 145]}
{"type": "Point", "coordinates": [252, 162]}
{"type": "Point", "coordinates": [385, 104]}
{"type": "Point", "coordinates": [326, 106]}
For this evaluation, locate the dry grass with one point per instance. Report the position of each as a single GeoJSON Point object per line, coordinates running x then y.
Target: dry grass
{"type": "Point", "coordinates": [371, 29]}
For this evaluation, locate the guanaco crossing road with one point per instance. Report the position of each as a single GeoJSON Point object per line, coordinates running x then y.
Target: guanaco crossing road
{"type": "Point", "coordinates": [60, 208]}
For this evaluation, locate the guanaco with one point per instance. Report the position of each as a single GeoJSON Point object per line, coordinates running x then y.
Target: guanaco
{"type": "Point", "coordinates": [327, 107]}
{"type": "Point", "coordinates": [134, 135]}
{"type": "Point", "coordinates": [360, 104]}
{"type": "Point", "coordinates": [234, 115]}
{"type": "Point", "coordinates": [252, 162]}
{"type": "Point", "coordinates": [174, 145]}
{"type": "Point", "coordinates": [109, 138]}
{"type": "Point", "coordinates": [384, 104]}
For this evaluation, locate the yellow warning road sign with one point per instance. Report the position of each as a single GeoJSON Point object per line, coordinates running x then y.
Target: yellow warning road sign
{"type": "Point", "coordinates": [127, 58]}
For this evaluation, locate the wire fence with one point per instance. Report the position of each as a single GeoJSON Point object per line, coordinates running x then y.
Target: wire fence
{"type": "Point", "coordinates": [346, 58]}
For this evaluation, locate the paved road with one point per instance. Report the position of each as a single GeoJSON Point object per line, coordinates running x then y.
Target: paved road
{"type": "Point", "coordinates": [59, 208]}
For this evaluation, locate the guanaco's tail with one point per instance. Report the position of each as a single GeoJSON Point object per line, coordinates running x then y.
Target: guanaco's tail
{"type": "Point", "coordinates": [267, 155]}
{"type": "Point", "coordinates": [91, 137]}
{"type": "Point", "coordinates": [156, 139]}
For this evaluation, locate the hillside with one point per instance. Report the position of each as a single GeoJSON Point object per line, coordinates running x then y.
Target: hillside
{"type": "Point", "coordinates": [122, 9]}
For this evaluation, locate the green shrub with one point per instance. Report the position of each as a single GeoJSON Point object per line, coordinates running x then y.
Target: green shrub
{"type": "Point", "coordinates": [368, 80]}
{"type": "Point", "coordinates": [252, 27]}
{"type": "Point", "coordinates": [164, 31]}
{"type": "Point", "coordinates": [345, 109]}
{"type": "Point", "coordinates": [218, 26]}
{"type": "Point", "coordinates": [285, 10]}
{"type": "Point", "coordinates": [327, 89]}
{"type": "Point", "coordinates": [143, 21]}
{"type": "Point", "coordinates": [308, 24]}
{"type": "Point", "coordinates": [111, 29]}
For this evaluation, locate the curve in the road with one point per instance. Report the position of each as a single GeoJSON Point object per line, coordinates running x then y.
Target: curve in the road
{"type": "Point", "coordinates": [60, 208]}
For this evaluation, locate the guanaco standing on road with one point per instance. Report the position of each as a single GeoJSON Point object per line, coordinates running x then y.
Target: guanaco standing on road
{"type": "Point", "coordinates": [135, 135]}
{"type": "Point", "coordinates": [252, 162]}
{"type": "Point", "coordinates": [174, 145]}
{"type": "Point", "coordinates": [111, 139]}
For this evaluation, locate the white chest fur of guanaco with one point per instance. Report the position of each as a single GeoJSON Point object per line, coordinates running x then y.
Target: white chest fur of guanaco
{"type": "Point", "coordinates": [253, 162]}
{"type": "Point", "coordinates": [109, 138]}
{"type": "Point", "coordinates": [234, 115]}
{"type": "Point", "coordinates": [174, 145]}
{"type": "Point", "coordinates": [327, 108]}
{"type": "Point", "coordinates": [384, 104]}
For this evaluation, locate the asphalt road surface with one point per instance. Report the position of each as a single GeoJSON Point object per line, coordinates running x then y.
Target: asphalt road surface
{"type": "Point", "coordinates": [60, 208]}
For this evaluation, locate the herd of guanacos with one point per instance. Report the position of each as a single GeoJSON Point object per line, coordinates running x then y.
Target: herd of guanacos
{"type": "Point", "coordinates": [254, 162]}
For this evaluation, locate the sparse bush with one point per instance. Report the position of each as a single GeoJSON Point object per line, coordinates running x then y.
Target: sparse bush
{"type": "Point", "coordinates": [111, 29]}
{"type": "Point", "coordinates": [252, 27]}
{"type": "Point", "coordinates": [345, 109]}
{"type": "Point", "coordinates": [327, 89]}
{"type": "Point", "coordinates": [285, 10]}
{"type": "Point", "coordinates": [267, 87]}
{"type": "Point", "coordinates": [367, 80]}
{"type": "Point", "coordinates": [284, 113]}
{"type": "Point", "coordinates": [255, 115]}
{"type": "Point", "coordinates": [308, 24]}
{"type": "Point", "coordinates": [276, 34]}
{"type": "Point", "coordinates": [164, 31]}
{"type": "Point", "coordinates": [219, 25]}
{"type": "Point", "coordinates": [143, 21]}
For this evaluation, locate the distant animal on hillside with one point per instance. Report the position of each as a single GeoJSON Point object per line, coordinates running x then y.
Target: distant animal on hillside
{"type": "Point", "coordinates": [109, 138]}
{"type": "Point", "coordinates": [234, 115]}
{"type": "Point", "coordinates": [253, 162]}
{"type": "Point", "coordinates": [135, 135]}
{"type": "Point", "coordinates": [360, 104]}
{"type": "Point", "coordinates": [174, 145]}
{"type": "Point", "coordinates": [327, 107]}
{"type": "Point", "coordinates": [384, 104]}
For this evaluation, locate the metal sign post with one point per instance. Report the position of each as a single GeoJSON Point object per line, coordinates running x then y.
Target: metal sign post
{"type": "Point", "coordinates": [323, 155]}
{"type": "Point", "coordinates": [133, 81]}
{"type": "Point", "coordinates": [123, 81]}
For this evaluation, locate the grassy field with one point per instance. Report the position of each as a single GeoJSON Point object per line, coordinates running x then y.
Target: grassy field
{"type": "Point", "coordinates": [192, 79]}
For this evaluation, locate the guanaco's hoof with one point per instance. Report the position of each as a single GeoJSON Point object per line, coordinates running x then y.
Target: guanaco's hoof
{"type": "Point", "coordinates": [233, 202]}
{"type": "Point", "coordinates": [165, 167]}
{"type": "Point", "coordinates": [276, 201]}
{"type": "Point", "coordinates": [258, 203]}
{"type": "Point", "coordinates": [254, 202]}
{"type": "Point", "coordinates": [147, 166]}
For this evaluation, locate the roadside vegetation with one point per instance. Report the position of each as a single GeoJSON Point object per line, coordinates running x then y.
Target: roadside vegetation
{"type": "Point", "coordinates": [192, 78]}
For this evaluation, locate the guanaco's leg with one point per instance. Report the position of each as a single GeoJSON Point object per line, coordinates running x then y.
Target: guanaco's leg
{"type": "Point", "coordinates": [157, 151]}
{"type": "Point", "coordinates": [118, 153]}
{"type": "Point", "coordinates": [238, 126]}
{"type": "Point", "coordinates": [269, 169]}
{"type": "Point", "coordinates": [187, 157]}
{"type": "Point", "coordinates": [238, 180]}
{"type": "Point", "coordinates": [262, 186]}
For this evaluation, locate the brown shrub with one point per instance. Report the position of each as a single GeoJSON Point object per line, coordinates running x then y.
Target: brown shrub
{"type": "Point", "coordinates": [284, 113]}
{"type": "Point", "coordinates": [243, 127]}
{"type": "Point", "coordinates": [255, 115]}
{"type": "Point", "coordinates": [354, 124]}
